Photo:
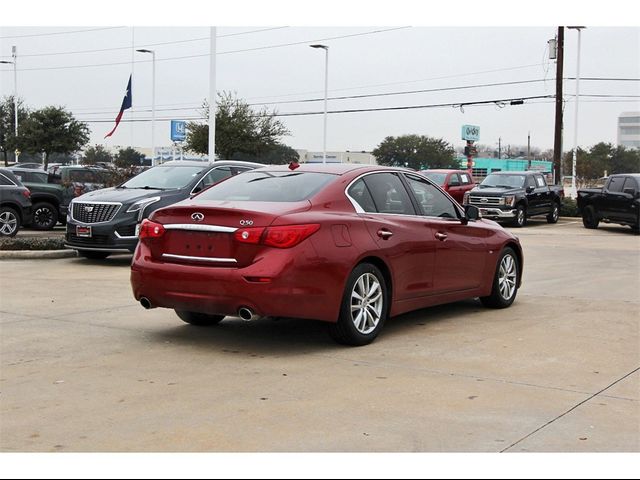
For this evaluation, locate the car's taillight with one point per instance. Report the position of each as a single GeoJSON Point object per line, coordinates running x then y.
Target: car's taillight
{"type": "Point", "coordinates": [149, 229]}
{"type": "Point", "coordinates": [249, 235]}
{"type": "Point", "coordinates": [285, 236]}
{"type": "Point", "coordinates": [27, 193]}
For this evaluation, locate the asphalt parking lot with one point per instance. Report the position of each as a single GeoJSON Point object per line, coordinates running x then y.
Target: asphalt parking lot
{"type": "Point", "coordinates": [84, 368]}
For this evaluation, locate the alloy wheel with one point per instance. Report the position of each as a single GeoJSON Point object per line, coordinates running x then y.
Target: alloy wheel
{"type": "Point", "coordinates": [8, 223]}
{"type": "Point", "coordinates": [367, 302]}
{"type": "Point", "coordinates": [507, 277]}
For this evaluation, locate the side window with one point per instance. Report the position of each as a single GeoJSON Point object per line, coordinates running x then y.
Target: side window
{"type": "Point", "coordinates": [454, 180]}
{"type": "Point", "coordinates": [389, 194]}
{"type": "Point", "coordinates": [540, 181]}
{"type": "Point", "coordinates": [5, 181]}
{"type": "Point", "coordinates": [630, 184]}
{"type": "Point", "coordinates": [360, 193]}
{"type": "Point", "coordinates": [432, 202]}
{"type": "Point", "coordinates": [214, 176]}
{"type": "Point", "coordinates": [239, 170]}
{"type": "Point", "coordinates": [530, 182]}
{"type": "Point", "coordinates": [466, 180]}
{"type": "Point", "coordinates": [615, 184]}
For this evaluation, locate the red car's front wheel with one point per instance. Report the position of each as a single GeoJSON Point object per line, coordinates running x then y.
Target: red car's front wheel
{"type": "Point", "coordinates": [364, 307]}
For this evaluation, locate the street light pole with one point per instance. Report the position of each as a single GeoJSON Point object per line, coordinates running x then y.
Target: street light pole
{"type": "Point", "coordinates": [153, 103]}
{"type": "Point", "coordinates": [326, 91]}
{"type": "Point", "coordinates": [575, 131]}
{"type": "Point", "coordinates": [14, 55]}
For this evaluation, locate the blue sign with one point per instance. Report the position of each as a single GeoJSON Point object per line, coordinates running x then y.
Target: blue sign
{"type": "Point", "coordinates": [178, 130]}
{"type": "Point", "coordinates": [471, 132]}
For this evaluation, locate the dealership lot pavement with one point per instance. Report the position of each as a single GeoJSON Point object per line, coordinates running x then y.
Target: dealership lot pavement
{"type": "Point", "coordinates": [84, 368]}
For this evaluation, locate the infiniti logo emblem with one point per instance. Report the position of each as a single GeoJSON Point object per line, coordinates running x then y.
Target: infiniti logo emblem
{"type": "Point", "coordinates": [197, 217]}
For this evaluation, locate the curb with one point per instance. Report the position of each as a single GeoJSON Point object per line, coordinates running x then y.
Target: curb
{"type": "Point", "coordinates": [30, 254]}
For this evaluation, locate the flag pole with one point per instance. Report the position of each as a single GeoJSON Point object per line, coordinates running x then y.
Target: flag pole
{"type": "Point", "coordinates": [212, 95]}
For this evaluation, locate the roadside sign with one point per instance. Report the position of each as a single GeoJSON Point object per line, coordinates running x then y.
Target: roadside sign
{"type": "Point", "coordinates": [471, 132]}
{"type": "Point", "coordinates": [178, 130]}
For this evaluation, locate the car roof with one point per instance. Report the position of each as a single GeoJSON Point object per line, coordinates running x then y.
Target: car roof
{"type": "Point", "coordinates": [509, 172]}
{"type": "Point", "coordinates": [335, 168]}
{"type": "Point", "coordinates": [26, 169]}
{"type": "Point", "coordinates": [195, 163]}
{"type": "Point", "coordinates": [444, 170]}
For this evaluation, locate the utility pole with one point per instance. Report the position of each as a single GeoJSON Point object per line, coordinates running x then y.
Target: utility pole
{"type": "Point", "coordinates": [529, 149]}
{"type": "Point", "coordinates": [557, 143]}
{"type": "Point", "coordinates": [212, 93]}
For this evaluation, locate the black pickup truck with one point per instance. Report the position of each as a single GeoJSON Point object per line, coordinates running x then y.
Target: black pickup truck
{"type": "Point", "coordinates": [617, 202]}
{"type": "Point", "coordinates": [515, 196]}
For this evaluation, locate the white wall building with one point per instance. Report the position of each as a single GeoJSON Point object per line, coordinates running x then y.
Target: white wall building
{"type": "Point", "coordinates": [629, 129]}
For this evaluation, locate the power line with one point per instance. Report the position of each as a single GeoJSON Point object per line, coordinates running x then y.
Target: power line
{"type": "Point", "coordinates": [174, 42]}
{"type": "Point", "coordinates": [503, 101]}
{"type": "Point", "coordinates": [206, 54]}
{"type": "Point", "coordinates": [60, 33]}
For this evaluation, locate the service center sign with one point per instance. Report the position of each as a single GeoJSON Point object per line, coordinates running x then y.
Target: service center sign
{"type": "Point", "coordinates": [471, 132]}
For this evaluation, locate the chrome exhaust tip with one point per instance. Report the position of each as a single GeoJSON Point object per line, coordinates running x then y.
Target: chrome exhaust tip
{"type": "Point", "coordinates": [146, 303]}
{"type": "Point", "coordinates": [247, 314]}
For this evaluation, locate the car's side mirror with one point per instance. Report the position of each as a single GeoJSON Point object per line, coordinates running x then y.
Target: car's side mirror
{"type": "Point", "coordinates": [471, 213]}
{"type": "Point", "coordinates": [530, 189]}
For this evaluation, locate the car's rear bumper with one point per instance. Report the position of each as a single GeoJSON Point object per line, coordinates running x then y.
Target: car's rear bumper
{"type": "Point", "coordinates": [295, 289]}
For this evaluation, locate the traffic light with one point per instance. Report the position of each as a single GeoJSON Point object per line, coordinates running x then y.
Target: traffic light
{"type": "Point", "coordinates": [470, 151]}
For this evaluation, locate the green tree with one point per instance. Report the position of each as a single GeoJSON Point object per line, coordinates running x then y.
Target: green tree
{"type": "Point", "coordinates": [8, 141]}
{"type": "Point", "coordinates": [95, 154]}
{"type": "Point", "coordinates": [600, 159]}
{"type": "Point", "coordinates": [53, 130]}
{"type": "Point", "coordinates": [240, 130]}
{"type": "Point", "coordinates": [127, 157]}
{"type": "Point", "coordinates": [415, 151]}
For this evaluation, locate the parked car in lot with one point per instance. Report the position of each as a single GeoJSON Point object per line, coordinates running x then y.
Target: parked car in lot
{"type": "Point", "coordinates": [107, 221]}
{"type": "Point", "coordinates": [346, 244]}
{"type": "Point", "coordinates": [455, 182]}
{"type": "Point", "coordinates": [617, 202]}
{"type": "Point", "coordinates": [15, 204]}
{"type": "Point", "coordinates": [49, 198]}
{"type": "Point", "coordinates": [515, 196]}
{"type": "Point", "coordinates": [79, 179]}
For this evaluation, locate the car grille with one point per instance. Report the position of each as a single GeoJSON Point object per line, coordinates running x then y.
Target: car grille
{"type": "Point", "coordinates": [94, 212]}
{"type": "Point", "coordinates": [89, 241]}
{"type": "Point", "coordinates": [485, 200]}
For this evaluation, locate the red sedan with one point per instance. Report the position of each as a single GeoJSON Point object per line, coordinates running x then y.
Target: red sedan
{"type": "Point", "coordinates": [350, 245]}
{"type": "Point", "coordinates": [454, 182]}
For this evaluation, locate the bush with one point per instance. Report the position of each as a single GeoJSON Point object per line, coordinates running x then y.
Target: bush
{"type": "Point", "coordinates": [569, 208]}
{"type": "Point", "coordinates": [30, 243]}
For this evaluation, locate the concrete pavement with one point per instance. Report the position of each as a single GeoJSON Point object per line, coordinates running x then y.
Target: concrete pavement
{"type": "Point", "coordinates": [84, 368]}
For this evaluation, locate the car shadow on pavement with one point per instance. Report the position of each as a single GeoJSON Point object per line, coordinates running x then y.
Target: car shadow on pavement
{"type": "Point", "coordinates": [292, 337]}
{"type": "Point", "coordinates": [119, 260]}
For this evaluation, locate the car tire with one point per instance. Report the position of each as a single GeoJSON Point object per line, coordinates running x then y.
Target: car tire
{"type": "Point", "coordinates": [199, 319]}
{"type": "Point", "coordinates": [364, 307]}
{"type": "Point", "coordinates": [505, 281]}
{"type": "Point", "coordinates": [589, 217]}
{"type": "Point", "coordinates": [554, 213]}
{"type": "Point", "coordinates": [520, 220]}
{"type": "Point", "coordinates": [90, 254]}
{"type": "Point", "coordinates": [45, 216]}
{"type": "Point", "coordinates": [9, 222]}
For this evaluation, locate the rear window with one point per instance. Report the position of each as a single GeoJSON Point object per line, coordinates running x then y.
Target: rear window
{"type": "Point", "coordinates": [269, 187]}
{"type": "Point", "coordinates": [435, 177]}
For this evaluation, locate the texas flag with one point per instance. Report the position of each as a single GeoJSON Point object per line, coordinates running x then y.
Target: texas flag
{"type": "Point", "coordinates": [126, 103]}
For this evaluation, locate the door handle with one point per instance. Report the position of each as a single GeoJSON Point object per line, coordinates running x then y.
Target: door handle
{"type": "Point", "coordinates": [385, 234]}
{"type": "Point", "coordinates": [441, 236]}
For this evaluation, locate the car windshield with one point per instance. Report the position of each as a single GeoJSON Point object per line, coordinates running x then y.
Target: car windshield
{"type": "Point", "coordinates": [269, 187]}
{"type": "Point", "coordinates": [435, 177]}
{"type": "Point", "coordinates": [503, 181]}
{"type": "Point", "coordinates": [165, 177]}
